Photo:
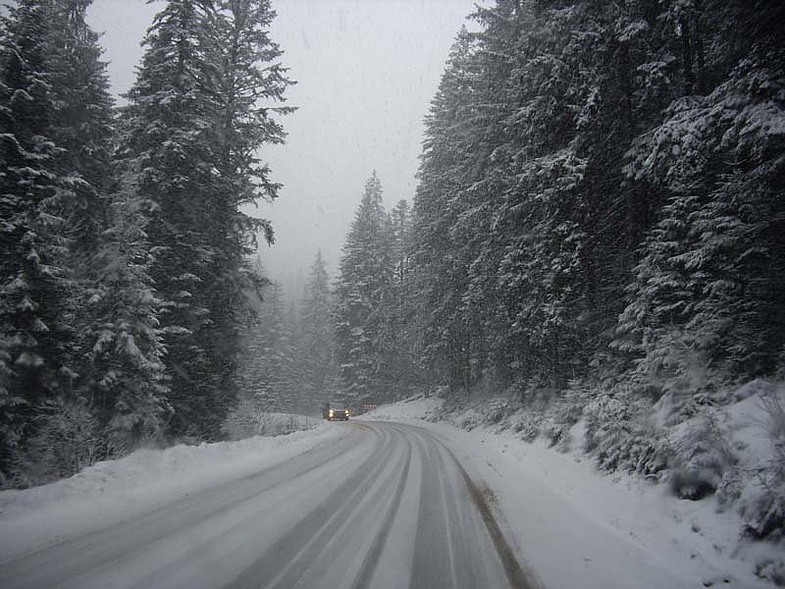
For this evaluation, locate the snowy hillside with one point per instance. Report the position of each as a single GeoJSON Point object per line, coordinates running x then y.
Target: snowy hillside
{"type": "Point", "coordinates": [571, 520]}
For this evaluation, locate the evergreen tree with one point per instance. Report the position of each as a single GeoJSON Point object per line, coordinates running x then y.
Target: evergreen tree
{"type": "Point", "coordinates": [124, 374]}
{"type": "Point", "coordinates": [315, 340]}
{"type": "Point", "coordinates": [573, 144]}
{"type": "Point", "coordinates": [362, 293]}
{"type": "Point", "coordinates": [448, 169]}
{"type": "Point", "coordinates": [72, 403]}
{"type": "Point", "coordinates": [267, 361]}
{"type": "Point", "coordinates": [82, 126]}
{"type": "Point", "coordinates": [710, 287]}
{"type": "Point", "coordinates": [196, 118]}
{"type": "Point", "coordinates": [119, 362]}
{"type": "Point", "coordinates": [401, 229]}
{"type": "Point", "coordinates": [400, 339]}
{"type": "Point", "coordinates": [242, 78]}
{"type": "Point", "coordinates": [166, 131]}
{"type": "Point", "coordinates": [34, 287]}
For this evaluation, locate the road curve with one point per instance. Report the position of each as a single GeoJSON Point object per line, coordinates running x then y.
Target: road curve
{"type": "Point", "coordinates": [384, 506]}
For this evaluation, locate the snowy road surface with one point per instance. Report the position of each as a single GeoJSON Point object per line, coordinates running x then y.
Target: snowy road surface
{"type": "Point", "coordinates": [386, 505]}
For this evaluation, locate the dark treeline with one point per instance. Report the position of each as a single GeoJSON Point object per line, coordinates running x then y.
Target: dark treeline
{"type": "Point", "coordinates": [601, 193]}
{"type": "Point", "coordinates": [124, 271]}
{"type": "Point", "coordinates": [600, 198]}
{"type": "Point", "coordinates": [598, 232]}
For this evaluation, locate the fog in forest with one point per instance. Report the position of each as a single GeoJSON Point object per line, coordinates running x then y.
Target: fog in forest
{"type": "Point", "coordinates": [366, 72]}
{"type": "Point", "coordinates": [558, 220]}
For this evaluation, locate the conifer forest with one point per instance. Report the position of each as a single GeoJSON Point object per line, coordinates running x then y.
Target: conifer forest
{"type": "Point", "coordinates": [597, 232]}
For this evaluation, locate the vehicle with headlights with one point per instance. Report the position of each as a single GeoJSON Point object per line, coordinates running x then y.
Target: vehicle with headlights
{"type": "Point", "coordinates": [334, 411]}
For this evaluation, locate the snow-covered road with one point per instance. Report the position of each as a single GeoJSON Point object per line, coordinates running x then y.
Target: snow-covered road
{"type": "Point", "coordinates": [380, 505]}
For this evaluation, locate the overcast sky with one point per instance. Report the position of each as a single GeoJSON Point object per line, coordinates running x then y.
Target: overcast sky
{"type": "Point", "coordinates": [366, 71]}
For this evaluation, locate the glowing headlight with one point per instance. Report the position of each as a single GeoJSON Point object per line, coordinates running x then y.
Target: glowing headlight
{"type": "Point", "coordinates": [331, 412]}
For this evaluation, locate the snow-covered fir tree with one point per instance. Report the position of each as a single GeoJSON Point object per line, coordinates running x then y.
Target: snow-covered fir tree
{"type": "Point", "coordinates": [35, 288]}
{"type": "Point", "coordinates": [201, 107]}
{"type": "Point", "coordinates": [59, 238]}
{"type": "Point", "coordinates": [363, 289]}
{"type": "Point", "coordinates": [447, 170]}
{"type": "Point", "coordinates": [315, 340]}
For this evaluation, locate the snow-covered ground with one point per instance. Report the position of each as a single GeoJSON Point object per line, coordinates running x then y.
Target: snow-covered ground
{"type": "Point", "coordinates": [246, 421]}
{"type": "Point", "coordinates": [576, 527]}
{"type": "Point", "coordinates": [118, 490]}
{"type": "Point", "coordinates": [573, 526]}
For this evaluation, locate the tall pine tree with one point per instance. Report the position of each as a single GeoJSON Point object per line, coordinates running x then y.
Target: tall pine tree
{"type": "Point", "coordinates": [35, 287]}
{"type": "Point", "coordinates": [198, 113]}
{"type": "Point", "coordinates": [362, 293]}
{"type": "Point", "coordinates": [316, 335]}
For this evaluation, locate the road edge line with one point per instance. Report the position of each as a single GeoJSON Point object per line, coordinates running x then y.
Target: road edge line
{"type": "Point", "coordinates": [516, 574]}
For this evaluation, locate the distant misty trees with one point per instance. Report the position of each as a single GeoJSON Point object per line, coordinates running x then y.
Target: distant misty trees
{"type": "Point", "coordinates": [351, 338]}
{"type": "Point", "coordinates": [287, 355]}
{"type": "Point", "coordinates": [345, 339]}
{"type": "Point", "coordinates": [373, 349]}
{"type": "Point", "coordinates": [315, 334]}
{"type": "Point", "coordinates": [124, 270]}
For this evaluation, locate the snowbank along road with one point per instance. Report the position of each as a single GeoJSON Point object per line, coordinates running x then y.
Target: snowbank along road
{"type": "Point", "coordinates": [385, 505]}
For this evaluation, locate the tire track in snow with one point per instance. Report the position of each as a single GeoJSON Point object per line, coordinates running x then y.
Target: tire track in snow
{"type": "Point", "coordinates": [387, 505]}
{"type": "Point", "coordinates": [372, 558]}
{"type": "Point", "coordinates": [107, 549]}
{"type": "Point", "coordinates": [515, 573]}
{"type": "Point", "coordinates": [309, 537]}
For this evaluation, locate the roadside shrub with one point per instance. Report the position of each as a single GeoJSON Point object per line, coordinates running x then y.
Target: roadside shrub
{"type": "Point", "coordinates": [526, 424]}
{"type": "Point", "coordinates": [730, 488]}
{"type": "Point", "coordinates": [495, 411]}
{"type": "Point", "coordinates": [468, 420]}
{"type": "Point", "coordinates": [701, 457]}
{"type": "Point", "coordinates": [766, 518]}
{"type": "Point", "coordinates": [622, 436]}
{"type": "Point", "coordinates": [772, 570]}
{"type": "Point", "coordinates": [66, 440]}
{"type": "Point", "coordinates": [564, 413]}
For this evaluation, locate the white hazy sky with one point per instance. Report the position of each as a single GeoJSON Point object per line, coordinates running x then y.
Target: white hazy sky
{"type": "Point", "coordinates": [366, 71]}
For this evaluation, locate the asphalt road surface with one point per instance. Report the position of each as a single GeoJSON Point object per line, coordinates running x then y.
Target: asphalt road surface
{"type": "Point", "coordinates": [385, 506]}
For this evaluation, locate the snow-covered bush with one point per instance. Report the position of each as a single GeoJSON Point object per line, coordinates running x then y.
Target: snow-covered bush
{"type": "Point", "coordinates": [701, 458]}
{"type": "Point", "coordinates": [253, 417]}
{"type": "Point", "coordinates": [67, 438]}
{"type": "Point", "coordinates": [766, 517]}
{"type": "Point", "coordinates": [281, 424]}
{"type": "Point", "coordinates": [526, 424]}
{"type": "Point", "coordinates": [496, 410]}
{"type": "Point", "coordinates": [621, 434]}
{"type": "Point", "coordinates": [480, 408]}
{"type": "Point", "coordinates": [468, 420]}
{"type": "Point", "coordinates": [772, 570]}
{"type": "Point", "coordinates": [564, 413]}
{"type": "Point", "coordinates": [731, 487]}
